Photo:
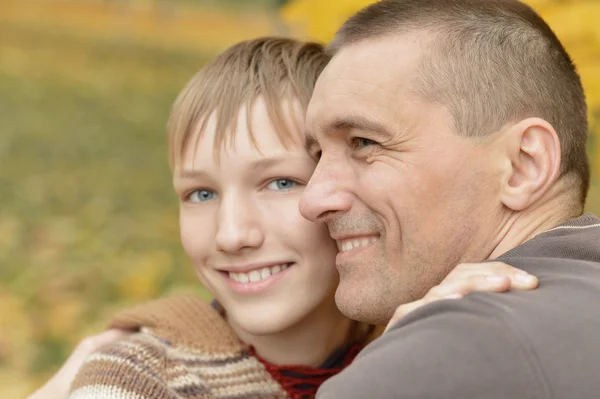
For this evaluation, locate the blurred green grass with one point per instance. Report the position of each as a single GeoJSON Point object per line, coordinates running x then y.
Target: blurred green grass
{"type": "Point", "coordinates": [88, 220]}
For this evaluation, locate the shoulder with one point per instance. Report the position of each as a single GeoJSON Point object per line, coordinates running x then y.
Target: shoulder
{"type": "Point", "coordinates": [183, 320]}
{"type": "Point", "coordinates": [183, 349]}
{"type": "Point", "coordinates": [173, 336]}
{"type": "Point", "coordinates": [465, 348]}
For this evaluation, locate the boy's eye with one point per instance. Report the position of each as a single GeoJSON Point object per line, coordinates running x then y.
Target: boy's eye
{"type": "Point", "coordinates": [201, 196]}
{"type": "Point", "coordinates": [360, 142]}
{"type": "Point", "coordinates": [281, 184]}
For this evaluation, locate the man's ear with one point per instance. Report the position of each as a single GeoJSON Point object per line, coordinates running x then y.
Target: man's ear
{"type": "Point", "coordinates": [533, 150]}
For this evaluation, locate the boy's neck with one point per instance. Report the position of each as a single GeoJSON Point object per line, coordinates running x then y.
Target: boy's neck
{"type": "Point", "coordinates": [308, 343]}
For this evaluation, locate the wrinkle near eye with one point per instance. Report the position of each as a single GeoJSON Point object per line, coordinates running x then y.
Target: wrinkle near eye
{"type": "Point", "coordinates": [361, 142]}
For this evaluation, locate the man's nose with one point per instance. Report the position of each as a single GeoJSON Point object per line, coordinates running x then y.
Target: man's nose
{"type": "Point", "coordinates": [239, 226]}
{"type": "Point", "coordinates": [326, 194]}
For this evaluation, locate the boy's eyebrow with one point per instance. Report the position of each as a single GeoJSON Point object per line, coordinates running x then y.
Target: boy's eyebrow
{"type": "Point", "coordinates": [265, 163]}
{"type": "Point", "coordinates": [255, 166]}
{"type": "Point", "coordinates": [190, 174]}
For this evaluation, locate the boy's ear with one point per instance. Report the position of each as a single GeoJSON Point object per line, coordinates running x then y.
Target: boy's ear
{"type": "Point", "coordinates": [534, 155]}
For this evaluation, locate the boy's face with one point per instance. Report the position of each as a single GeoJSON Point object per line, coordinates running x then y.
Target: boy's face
{"type": "Point", "coordinates": [241, 227]}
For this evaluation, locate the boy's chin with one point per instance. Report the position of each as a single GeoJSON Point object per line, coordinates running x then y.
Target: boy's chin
{"type": "Point", "coordinates": [266, 321]}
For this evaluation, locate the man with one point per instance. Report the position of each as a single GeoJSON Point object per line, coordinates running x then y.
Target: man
{"type": "Point", "coordinates": [454, 131]}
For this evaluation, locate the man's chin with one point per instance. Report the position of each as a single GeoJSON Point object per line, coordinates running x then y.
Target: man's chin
{"type": "Point", "coordinates": [362, 306]}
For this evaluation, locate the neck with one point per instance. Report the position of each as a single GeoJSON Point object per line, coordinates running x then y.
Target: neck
{"type": "Point", "coordinates": [522, 226]}
{"type": "Point", "coordinates": [309, 342]}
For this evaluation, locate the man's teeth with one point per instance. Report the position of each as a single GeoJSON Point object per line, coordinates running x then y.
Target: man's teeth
{"type": "Point", "coordinates": [347, 245]}
{"type": "Point", "coordinates": [257, 275]}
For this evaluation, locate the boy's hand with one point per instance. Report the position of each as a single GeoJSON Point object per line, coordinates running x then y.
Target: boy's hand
{"type": "Point", "coordinates": [471, 277]}
{"type": "Point", "coordinates": [58, 386]}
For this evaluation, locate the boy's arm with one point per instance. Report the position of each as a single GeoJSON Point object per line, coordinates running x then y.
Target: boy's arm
{"type": "Point", "coordinates": [57, 387]}
{"type": "Point", "coordinates": [131, 368]}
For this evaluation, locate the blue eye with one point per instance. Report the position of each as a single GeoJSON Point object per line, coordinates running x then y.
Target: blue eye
{"type": "Point", "coordinates": [201, 196]}
{"type": "Point", "coordinates": [281, 184]}
{"type": "Point", "coordinates": [360, 142]}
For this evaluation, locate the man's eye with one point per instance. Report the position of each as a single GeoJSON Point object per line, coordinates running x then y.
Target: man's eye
{"type": "Point", "coordinates": [357, 143]}
{"type": "Point", "coordinates": [281, 184]}
{"type": "Point", "coordinates": [201, 196]}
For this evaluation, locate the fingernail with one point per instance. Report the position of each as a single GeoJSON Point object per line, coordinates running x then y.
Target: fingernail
{"type": "Point", "coordinates": [524, 278]}
{"type": "Point", "coordinates": [495, 279]}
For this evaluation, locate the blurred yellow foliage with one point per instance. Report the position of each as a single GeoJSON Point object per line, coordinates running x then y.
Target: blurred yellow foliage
{"type": "Point", "coordinates": [318, 19]}
{"type": "Point", "coordinates": [15, 330]}
{"type": "Point", "coordinates": [10, 228]}
{"type": "Point", "coordinates": [142, 280]}
{"type": "Point", "coordinates": [205, 27]}
{"type": "Point", "coordinates": [88, 221]}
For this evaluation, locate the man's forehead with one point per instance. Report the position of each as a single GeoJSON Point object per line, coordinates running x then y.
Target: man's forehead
{"type": "Point", "coordinates": [377, 59]}
{"type": "Point", "coordinates": [366, 71]}
{"type": "Point", "coordinates": [339, 95]}
{"type": "Point", "coordinates": [353, 95]}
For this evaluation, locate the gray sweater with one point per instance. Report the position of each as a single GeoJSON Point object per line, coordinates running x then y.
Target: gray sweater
{"type": "Point", "coordinates": [539, 344]}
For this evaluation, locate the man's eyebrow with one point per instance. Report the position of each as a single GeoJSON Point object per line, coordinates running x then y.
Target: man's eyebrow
{"type": "Point", "coordinates": [356, 123]}
{"type": "Point", "coordinates": [346, 124]}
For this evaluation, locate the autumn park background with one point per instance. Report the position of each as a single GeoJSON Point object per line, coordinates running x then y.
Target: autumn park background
{"type": "Point", "coordinates": [88, 223]}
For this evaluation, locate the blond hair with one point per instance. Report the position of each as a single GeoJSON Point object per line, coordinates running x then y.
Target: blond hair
{"type": "Point", "coordinates": [273, 68]}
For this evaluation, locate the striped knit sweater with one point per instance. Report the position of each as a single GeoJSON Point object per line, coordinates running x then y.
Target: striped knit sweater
{"type": "Point", "coordinates": [184, 349]}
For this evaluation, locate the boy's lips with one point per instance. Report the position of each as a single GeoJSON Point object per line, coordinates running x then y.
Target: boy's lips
{"type": "Point", "coordinates": [256, 275]}
{"type": "Point", "coordinates": [257, 279]}
{"type": "Point", "coordinates": [248, 267]}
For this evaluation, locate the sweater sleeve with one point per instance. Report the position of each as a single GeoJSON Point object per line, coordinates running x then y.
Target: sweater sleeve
{"type": "Point", "coordinates": [132, 368]}
{"type": "Point", "coordinates": [463, 348]}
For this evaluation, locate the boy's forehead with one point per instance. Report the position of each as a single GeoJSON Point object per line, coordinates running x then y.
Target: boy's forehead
{"type": "Point", "coordinates": [240, 157]}
{"type": "Point", "coordinates": [258, 126]}
{"type": "Point", "coordinates": [246, 141]}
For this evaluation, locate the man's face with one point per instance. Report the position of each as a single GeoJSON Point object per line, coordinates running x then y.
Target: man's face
{"type": "Point", "coordinates": [405, 197]}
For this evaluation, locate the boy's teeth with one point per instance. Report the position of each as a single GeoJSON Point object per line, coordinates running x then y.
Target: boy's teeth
{"type": "Point", "coordinates": [265, 273]}
{"type": "Point", "coordinates": [256, 275]}
{"type": "Point", "coordinates": [275, 269]}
